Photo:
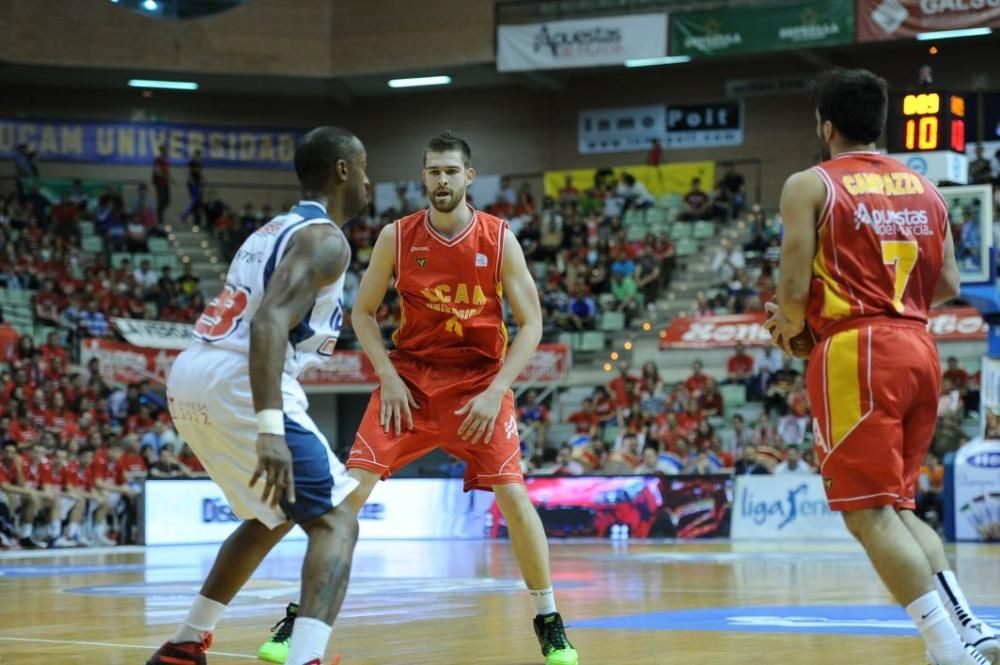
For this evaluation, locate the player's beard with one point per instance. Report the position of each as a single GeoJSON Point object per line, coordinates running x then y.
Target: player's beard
{"type": "Point", "coordinates": [447, 205]}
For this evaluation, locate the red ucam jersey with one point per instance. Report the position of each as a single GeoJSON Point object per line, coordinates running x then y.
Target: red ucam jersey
{"type": "Point", "coordinates": [35, 472]}
{"type": "Point", "coordinates": [451, 297]}
{"type": "Point", "coordinates": [62, 476]}
{"type": "Point", "coordinates": [880, 243]}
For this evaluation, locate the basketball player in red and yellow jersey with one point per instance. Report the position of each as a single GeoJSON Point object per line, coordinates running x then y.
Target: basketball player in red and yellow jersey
{"type": "Point", "coordinates": [447, 383]}
{"type": "Point", "coordinates": [867, 249]}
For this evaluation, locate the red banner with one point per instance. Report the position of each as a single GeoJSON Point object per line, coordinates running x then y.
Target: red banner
{"type": "Point", "coordinates": [949, 324]}
{"type": "Point", "coordinates": [122, 364]}
{"type": "Point", "coordinates": [879, 20]}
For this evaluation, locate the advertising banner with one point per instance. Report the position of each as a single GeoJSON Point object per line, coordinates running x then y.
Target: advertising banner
{"type": "Point", "coordinates": [196, 511]}
{"type": "Point", "coordinates": [977, 491]}
{"type": "Point", "coordinates": [879, 20]}
{"type": "Point", "coordinates": [674, 178]}
{"type": "Point", "coordinates": [775, 27]}
{"type": "Point", "coordinates": [589, 42]}
{"type": "Point", "coordinates": [138, 143]}
{"type": "Point", "coordinates": [784, 507]}
{"type": "Point", "coordinates": [633, 128]}
{"type": "Point", "coordinates": [621, 507]}
{"type": "Point", "coordinates": [122, 363]}
{"type": "Point", "coordinates": [948, 324]}
{"type": "Point", "coordinates": [154, 334]}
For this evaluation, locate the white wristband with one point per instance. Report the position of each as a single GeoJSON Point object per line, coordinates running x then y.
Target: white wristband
{"type": "Point", "coordinates": [271, 421]}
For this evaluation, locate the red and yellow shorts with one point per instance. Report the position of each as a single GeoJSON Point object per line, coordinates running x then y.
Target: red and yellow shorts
{"type": "Point", "coordinates": [440, 391]}
{"type": "Point", "coordinates": [874, 396]}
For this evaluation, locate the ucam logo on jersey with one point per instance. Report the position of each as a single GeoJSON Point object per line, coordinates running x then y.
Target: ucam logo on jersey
{"type": "Point", "coordinates": [481, 261]}
{"type": "Point", "coordinates": [887, 222]}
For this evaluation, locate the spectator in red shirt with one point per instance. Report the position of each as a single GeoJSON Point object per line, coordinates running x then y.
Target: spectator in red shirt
{"type": "Point", "coordinates": [161, 183]}
{"type": "Point", "coordinates": [604, 407]}
{"type": "Point", "coordinates": [655, 153]}
{"type": "Point", "coordinates": [22, 431]}
{"type": "Point", "coordinates": [131, 465]}
{"type": "Point", "coordinates": [696, 382]}
{"type": "Point", "coordinates": [622, 387]}
{"type": "Point", "coordinates": [59, 481]}
{"type": "Point", "coordinates": [959, 377]}
{"type": "Point", "coordinates": [710, 400]}
{"type": "Point", "coordinates": [14, 484]}
{"type": "Point", "coordinates": [52, 349]}
{"type": "Point", "coordinates": [9, 339]}
{"type": "Point", "coordinates": [739, 367]}
{"type": "Point", "coordinates": [585, 419]}
{"type": "Point", "coordinates": [48, 303]}
{"type": "Point", "coordinates": [86, 475]}
{"type": "Point", "coordinates": [688, 421]}
{"type": "Point", "coordinates": [139, 423]}
{"type": "Point", "coordinates": [191, 461]}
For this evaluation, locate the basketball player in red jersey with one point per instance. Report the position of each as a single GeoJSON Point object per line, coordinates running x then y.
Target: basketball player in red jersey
{"type": "Point", "coordinates": [867, 249]}
{"type": "Point", "coordinates": [447, 383]}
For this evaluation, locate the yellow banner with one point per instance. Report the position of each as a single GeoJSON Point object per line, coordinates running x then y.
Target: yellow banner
{"type": "Point", "coordinates": [659, 180]}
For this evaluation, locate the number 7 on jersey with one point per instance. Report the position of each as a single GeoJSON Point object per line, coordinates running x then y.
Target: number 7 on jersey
{"type": "Point", "coordinates": [902, 255]}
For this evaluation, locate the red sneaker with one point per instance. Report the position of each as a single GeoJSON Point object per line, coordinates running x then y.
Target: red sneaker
{"type": "Point", "coordinates": [182, 653]}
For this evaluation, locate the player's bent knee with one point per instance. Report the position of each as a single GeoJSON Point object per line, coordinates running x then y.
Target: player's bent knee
{"type": "Point", "coordinates": [342, 522]}
{"type": "Point", "coordinates": [863, 523]}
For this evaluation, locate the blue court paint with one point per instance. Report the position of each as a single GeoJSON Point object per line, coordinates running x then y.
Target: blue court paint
{"type": "Point", "coordinates": [817, 620]}
{"type": "Point", "coordinates": [54, 571]}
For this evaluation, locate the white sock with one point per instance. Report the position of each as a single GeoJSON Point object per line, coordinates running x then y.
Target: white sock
{"type": "Point", "coordinates": [26, 530]}
{"type": "Point", "coordinates": [201, 619]}
{"type": "Point", "coordinates": [544, 600]}
{"type": "Point", "coordinates": [947, 587]}
{"type": "Point", "coordinates": [55, 528]}
{"type": "Point", "coordinates": [931, 619]}
{"type": "Point", "coordinates": [309, 638]}
{"type": "Point", "coordinates": [73, 531]}
{"type": "Point", "coordinates": [101, 530]}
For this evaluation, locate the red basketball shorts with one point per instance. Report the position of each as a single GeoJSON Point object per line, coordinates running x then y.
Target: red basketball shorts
{"type": "Point", "coordinates": [874, 396]}
{"type": "Point", "coordinates": [440, 391]}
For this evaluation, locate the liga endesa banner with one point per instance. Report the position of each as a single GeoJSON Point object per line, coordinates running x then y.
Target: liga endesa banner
{"type": "Point", "coordinates": [879, 20]}
{"type": "Point", "coordinates": [663, 179]}
{"type": "Point", "coordinates": [949, 324]}
{"type": "Point", "coordinates": [122, 364]}
{"type": "Point", "coordinates": [138, 143]}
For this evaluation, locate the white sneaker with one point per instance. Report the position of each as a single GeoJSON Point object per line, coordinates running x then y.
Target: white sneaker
{"type": "Point", "coordinates": [982, 636]}
{"type": "Point", "coordinates": [972, 657]}
{"type": "Point", "coordinates": [104, 541]}
{"type": "Point", "coordinates": [63, 541]}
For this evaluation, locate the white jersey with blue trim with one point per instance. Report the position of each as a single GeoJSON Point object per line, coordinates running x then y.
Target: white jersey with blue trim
{"type": "Point", "coordinates": [225, 323]}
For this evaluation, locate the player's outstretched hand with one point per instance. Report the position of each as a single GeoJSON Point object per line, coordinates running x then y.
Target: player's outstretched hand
{"type": "Point", "coordinates": [781, 329]}
{"type": "Point", "coordinates": [396, 401]}
{"type": "Point", "coordinates": [274, 463]}
{"type": "Point", "coordinates": [482, 411]}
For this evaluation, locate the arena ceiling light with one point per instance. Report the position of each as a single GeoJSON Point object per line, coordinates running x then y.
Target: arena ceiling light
{"type": "Point", "coordinates": [162, 85]}
{"type": "Point", "coordinates": [656, 62]}
{"type": "Point", "coordinates": [419, 82]}
{"type": "Point", "coordinates": [954, 34]}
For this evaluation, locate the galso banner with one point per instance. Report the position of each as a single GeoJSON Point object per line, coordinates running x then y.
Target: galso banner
{"type": "Point", "coordinates": [784, 507]}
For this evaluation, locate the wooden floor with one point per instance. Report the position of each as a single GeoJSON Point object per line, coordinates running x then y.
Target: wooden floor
{"type": "Point", "coordinates": [416, 602]}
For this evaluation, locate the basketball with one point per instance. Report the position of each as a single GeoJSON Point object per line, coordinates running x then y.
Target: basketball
{"type": "Point", "coordinates": [803, 343]}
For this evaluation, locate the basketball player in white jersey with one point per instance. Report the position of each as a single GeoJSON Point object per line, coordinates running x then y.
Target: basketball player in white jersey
{"type": "Point", "coordinates": [235, 399]}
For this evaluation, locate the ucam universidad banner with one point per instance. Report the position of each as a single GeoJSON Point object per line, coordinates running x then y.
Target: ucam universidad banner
{"type": "Point", "coordinates": [589, 42]}
{"type": "Point", "coordinates": [136, 143]}
{"type": "Point", "coordinates": [880, 20]}
{"type": "Point", "coordinates": [774, 27]}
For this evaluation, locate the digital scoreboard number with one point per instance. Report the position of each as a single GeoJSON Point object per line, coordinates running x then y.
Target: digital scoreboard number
{"type": "Point", "coordinates": [928, 121]}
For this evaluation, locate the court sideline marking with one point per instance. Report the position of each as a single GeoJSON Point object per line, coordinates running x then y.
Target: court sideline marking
{"type": "Point", "coordinates": [113, 644]}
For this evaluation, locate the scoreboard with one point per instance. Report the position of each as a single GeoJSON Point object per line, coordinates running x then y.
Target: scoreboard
{"type": "Point", "coordinates": [927, 122]}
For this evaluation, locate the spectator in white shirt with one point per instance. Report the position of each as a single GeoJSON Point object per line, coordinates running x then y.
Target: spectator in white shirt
{"type": "Point", "coordinates": [727, 260]}
{"type": "Point", "coordinates": [634, 193]}
{"type": "Point", "coordinates": [793, 463]}
{"type": "Point", "coordinates": [146, 277]}
{"type": "Point", "coordinates": [767, 360]}
{"type": "Point", "coordinates": [739, 436]}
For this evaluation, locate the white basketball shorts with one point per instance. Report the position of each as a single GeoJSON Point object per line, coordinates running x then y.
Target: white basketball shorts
{"type": "Point", "coordinates": [208, 392]}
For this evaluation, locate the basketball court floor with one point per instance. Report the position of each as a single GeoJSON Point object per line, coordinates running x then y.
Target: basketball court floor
{"type": "Point", "coordinates": [451, 602]}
